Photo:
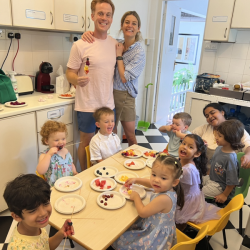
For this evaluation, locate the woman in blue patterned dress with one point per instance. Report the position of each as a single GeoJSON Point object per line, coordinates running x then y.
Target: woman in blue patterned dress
{"type": "Point", "coordinates": [130, 58]}
{"type": "Point", "coordinates": [156, 227]}
{"type": "Point", "coordinates": [56, 161]}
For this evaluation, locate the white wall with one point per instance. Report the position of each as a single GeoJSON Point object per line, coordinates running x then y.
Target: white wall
{"type": "Point", "coordinates": [231, 60]}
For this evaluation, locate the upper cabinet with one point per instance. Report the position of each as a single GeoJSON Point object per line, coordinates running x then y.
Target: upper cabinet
{"type": "Point", "coordinates": [89, 23]}
{"type": "Point", "coordinates": [241, 17]}
{"type": "Point", "coordinates": [5, 13]}
{"type": "Point", "coordinates": [33, 14]}
{"type": "Point", "coordinates": [70, 15]}
{"type": "Point", "coordinates": [218, 22]}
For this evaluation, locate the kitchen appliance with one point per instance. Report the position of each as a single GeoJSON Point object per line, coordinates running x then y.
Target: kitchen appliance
{"type": "Point", "coordinates": [205, 81]}
{"type": "Point", "coordinates": [24, 85]}
{"type": "Point", "coordinates": [43, 78]}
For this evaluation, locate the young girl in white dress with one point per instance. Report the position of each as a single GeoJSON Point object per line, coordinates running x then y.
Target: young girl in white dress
{"type": "Point", "coordinates": [156, 227]}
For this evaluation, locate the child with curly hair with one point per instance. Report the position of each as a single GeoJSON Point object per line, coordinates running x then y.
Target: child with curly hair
{"type": "Point", "coordinates": [56, 161]}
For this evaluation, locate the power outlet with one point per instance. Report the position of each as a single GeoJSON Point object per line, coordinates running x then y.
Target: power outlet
{"type": "Point", "coordinates": [2, 34]}
{"type": "Point", "coordinates": [74, 37]}
{"type": "Point", "coordinates": [10, 31]}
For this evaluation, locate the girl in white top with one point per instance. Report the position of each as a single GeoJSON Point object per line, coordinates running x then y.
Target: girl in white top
{"type": "Point", "coordinates": [215, 115]}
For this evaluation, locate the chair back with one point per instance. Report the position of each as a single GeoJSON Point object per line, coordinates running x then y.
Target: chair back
{"type": "Point", "coordinates": [88, 156]}
{"type": "Point", "coordinates": [40, 175]}
{"type": "Point", "coordinates": [245, 175]}
{"type": "Point", "coordinates": [186, 243]}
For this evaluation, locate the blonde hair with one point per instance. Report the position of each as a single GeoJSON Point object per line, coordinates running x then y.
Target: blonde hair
{"type": "Point", "coordinates": [102, 111]}
{"type": "Point", "coordinates": [185, 117]}
{"type": "Point", "coordinates": [138, 36]}
{"type": "Point", "coordinates": [94, 2]}
{"type": "Point", "coordinates": [51, 127]}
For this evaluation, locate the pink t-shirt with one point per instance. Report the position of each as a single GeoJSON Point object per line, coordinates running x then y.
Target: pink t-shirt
{"type": "Point", "coordinates": [102, 58]}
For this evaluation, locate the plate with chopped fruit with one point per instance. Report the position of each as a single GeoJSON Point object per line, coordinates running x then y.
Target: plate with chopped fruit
{"type": "Point", "coordinates": [1, 107]}
{"type": "Point", "coordinates": [102, 184]}
{"type": "Point", "coordinates": [66, 96]}
{"type": "Point", "coordinates": [122, 176]}
{"type": "Point", "coordinates": [132, 153]}
{"type": "Point", "coordinates": [111, 200]}
{"type": "Point", "coordinates": [68, 184]}
{"type": "Point", "coordinates": [134, 164]}
{"type": "Point", "coordinates": [106, 171]}
{"type": "Point", "coordinates": [137, 188]}
{"type": "Point", "coordinates": [149, 162]}
{"type": "Point", "coordinates": [150, 154]}
{"type": "Point", "coordinates": [15, 104]}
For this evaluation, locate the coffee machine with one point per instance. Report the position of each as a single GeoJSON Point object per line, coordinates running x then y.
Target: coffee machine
{"type": "Point", "coordinates": [42, 83]}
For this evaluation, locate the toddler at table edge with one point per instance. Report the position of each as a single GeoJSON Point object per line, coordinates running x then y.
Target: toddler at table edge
{"type": "Point", "coordinates": [105, 143]}
{"type": "Point", "coordinates": [177, 131]}
{"type": "Point", "coordinates": [156, 227]}
{"type": "Point", "coordinates": [28, 199]}
{"type": "Point", "coordinates": [56, 161]}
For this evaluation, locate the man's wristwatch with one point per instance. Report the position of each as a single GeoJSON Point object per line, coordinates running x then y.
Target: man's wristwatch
{"type": "Point", "coordinates": [119, 58]}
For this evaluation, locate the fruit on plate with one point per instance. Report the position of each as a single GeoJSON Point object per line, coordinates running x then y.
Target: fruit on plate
{"type": "Point", "coordinates": [17, 103]}
{"type": "Point", "coordinates": [150, 154]}
{"type": "Point", "coordinates": [129, 191]}
{"type": "Point", "coordinates": [129, 152]}
{"type": "Point", "coordinates": [130, 164]}
{"type": "Point", "coordinates": [97, 182]}
{"type": "Point", "coordinates": [123, 178]}
{"type": "Point", "coordinates": [66, 95]}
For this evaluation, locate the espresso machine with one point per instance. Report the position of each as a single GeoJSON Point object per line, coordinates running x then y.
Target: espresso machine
{"type": "Point", "coordinates": [42, 83]}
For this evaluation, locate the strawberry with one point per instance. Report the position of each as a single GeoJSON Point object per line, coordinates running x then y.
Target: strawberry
{"type": "Point", "coordinates": [132, 163]}
{"type": "Point", "coordinates": [103, 182]}
{"type": "Point", "coordinates": [146, 153]}
{"type": "Point", "coordinates": [97, 182]}
{"type": "Point", "coordinates": [108, 188]}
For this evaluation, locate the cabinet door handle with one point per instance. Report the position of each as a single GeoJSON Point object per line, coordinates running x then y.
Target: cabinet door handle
{"type": "Point", "coordinates": [89, 22]}
{"type": "Point", "coordinates": [55, 118]}
{"type": "Point", "coordinates": [82, 21]}
{"type": "Point", "coordinates": [225, 35]}
{"type": "Point", "coordinates": [51, 17]}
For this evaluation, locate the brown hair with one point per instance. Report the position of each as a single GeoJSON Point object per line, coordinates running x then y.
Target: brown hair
{"type": "Point", "coordinates": [175, 164]}
{"type": "Point", "coordinates": [138, 36]}
{"type": "Point", "coordinates": [185, 117]}
{"type": "Point", "coordinates": [51, 127]}
{"type": "Point", "coordinates": [233, 131]}
{"type": "Point", "coordinates": [102, 111]}
{"type": "Point", "coordinates": [94, 2]}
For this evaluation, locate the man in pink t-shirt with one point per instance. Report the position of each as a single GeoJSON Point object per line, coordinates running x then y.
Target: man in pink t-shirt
{"type": "Point", "coordinates": [95, 89]}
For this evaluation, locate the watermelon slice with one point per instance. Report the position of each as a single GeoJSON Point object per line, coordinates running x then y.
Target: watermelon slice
{"type": "Point", "coordinates": [97, 182]}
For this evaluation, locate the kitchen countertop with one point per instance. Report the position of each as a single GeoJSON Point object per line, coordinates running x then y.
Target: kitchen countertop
{"type": "Point", "coordinates": [33, 104]}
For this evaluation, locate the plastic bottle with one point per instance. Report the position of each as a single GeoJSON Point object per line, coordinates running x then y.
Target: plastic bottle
{"type": "Point", "coordinates": [13, 81]}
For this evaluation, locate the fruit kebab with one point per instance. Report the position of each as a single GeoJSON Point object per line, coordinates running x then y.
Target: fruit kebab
{"type": "Point", "coordinates": [86, 67]}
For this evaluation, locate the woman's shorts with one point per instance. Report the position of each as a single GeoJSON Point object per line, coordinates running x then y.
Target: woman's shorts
{"type": "Point", "coordinates": [124, 106]}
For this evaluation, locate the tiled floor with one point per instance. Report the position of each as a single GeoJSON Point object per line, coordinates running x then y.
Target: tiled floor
{"type": "Point", "coordinates": [152, 139]}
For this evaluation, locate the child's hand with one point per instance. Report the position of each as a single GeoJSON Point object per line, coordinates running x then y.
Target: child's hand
{"type": "Point", "coordinates": [130, 182]}
{"type": "Point", "coordinates": [178, 133]}
{"type": "Point", "coordinates": [53, 151]}
{"type": "Point", "coordinates": [133, 195]}
{"type": "Point", "coordinates": [221, 198]}
{"type": "Point", "coordinates": [67, 229]}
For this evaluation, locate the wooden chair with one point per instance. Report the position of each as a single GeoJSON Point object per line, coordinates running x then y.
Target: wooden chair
{"type": "Point", "coordinates": [88, 157]}
{"type": "Point", "coordinates": [219, 225]}
{"type": "Point", "coordinates": [186, 243]}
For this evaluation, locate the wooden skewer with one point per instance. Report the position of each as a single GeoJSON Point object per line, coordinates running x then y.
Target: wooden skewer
{"type": "Point", "coordinates": [73, 144]}
{"type": "Point", "coordinates": [87, 218]}
{"type": "Point", "coordinates": [70, 219]}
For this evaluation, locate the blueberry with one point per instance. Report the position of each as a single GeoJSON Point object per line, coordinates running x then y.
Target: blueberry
{"type": "Point", "coordinates": [107, 173]}
{"type": "Point", "coordinates": [100, 173]}
{"type": "Point", "coordinates": [104, 168]}
{"type": "Point", "coordinates": [70, 223]}
{"type": "Point", "coordinates": [97, 171]}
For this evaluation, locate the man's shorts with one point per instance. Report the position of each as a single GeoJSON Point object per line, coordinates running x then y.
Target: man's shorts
{"type": "Point", "coordinates": [86, 121]}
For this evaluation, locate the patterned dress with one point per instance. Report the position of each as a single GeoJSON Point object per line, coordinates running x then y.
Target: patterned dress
{"type": "Point", "coordinates": [156, 232]}
{"type": "Point", "coordinates": [58, 168]}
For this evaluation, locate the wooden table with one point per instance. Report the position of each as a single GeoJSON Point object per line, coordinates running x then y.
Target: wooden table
{"type": "Point", "coordinates": [107, 225]}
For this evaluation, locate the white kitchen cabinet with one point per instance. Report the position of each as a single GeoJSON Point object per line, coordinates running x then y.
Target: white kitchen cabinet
{"type": "Point", "coordinates": [5, 13]}
{"type": "Point", "coordinates": [89, 23]}
{"type": "Point", "coordinates": [70, 15]}
{"type": "Point", "coordinates": [18, 147]}
{"type": "Point", "coordinates": [33, 13]}
{"type": "Point", "coordinates": [241, 17]}
{"type": "Point", "coordinates": [218, 21]}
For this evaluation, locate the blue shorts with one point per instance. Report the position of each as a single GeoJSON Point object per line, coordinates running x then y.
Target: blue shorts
{"type": "Point", "coordinates": [86, 121]}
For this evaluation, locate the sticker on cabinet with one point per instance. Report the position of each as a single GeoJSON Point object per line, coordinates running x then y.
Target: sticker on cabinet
{"type": "Point", "coordinates": [70, 18]}
{"type": "Point", "coordinates": [35, 14]}
{"type": "Point", "coordinates": [220, 18]}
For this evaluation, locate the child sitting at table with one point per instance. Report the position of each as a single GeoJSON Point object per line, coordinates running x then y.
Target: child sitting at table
{"type": "Point", "coordinates": [223, 176]}
{"type": "Point", "coordinates": [28, 199]}
{"type": "Point", "coordinates": [176, 131]}
{"type": "Point", "coordinates": [56, 161]}
{"type": "Point", "coordinates": [156, 227]}
{"type": "Point", "coordinates": [105, 143]}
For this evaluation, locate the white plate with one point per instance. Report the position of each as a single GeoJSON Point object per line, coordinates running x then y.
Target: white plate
{"type": "Point", "coordinates": [136, 151]}
{"type": "Point", "coordinates": [139, 164]}
{"type": "Point", "coordinates": [110, 170]}
{"type": "Point", "coordinates": [109, 182]}
{"type": "Point", "coordinates": [149, 157]}
{"type": "Point", "coordinates": [1, 108]}
{"type": "Point", "coordinates": [116, 202]}
{"type": "Point", "coordinates": [146, 188]}
{"type": "Point", "coordinates": [66, 204]}
{"type": "Point", "coordinates": [149, 162]}
{"type": "Point", "coordinates": [139, 189]}
{"type": "Point", "coordinates": [7, 104]}
{"type": "Point", "coordinates": [129, 174]}
{"type": "Point", "coordinates": [65, 97]}
{"type": "Point", "coordinates": [68, 184]}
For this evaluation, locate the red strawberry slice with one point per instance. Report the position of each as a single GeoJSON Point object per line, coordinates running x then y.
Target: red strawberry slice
{"type": "Point", "coordinates": [97, 182]}
{"type": "Point", "coordinates": [132, 163]}
{"type": "Point", "coordinates": [103, 182]}
{"type": "Point", "coordinates": [108, 188]}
